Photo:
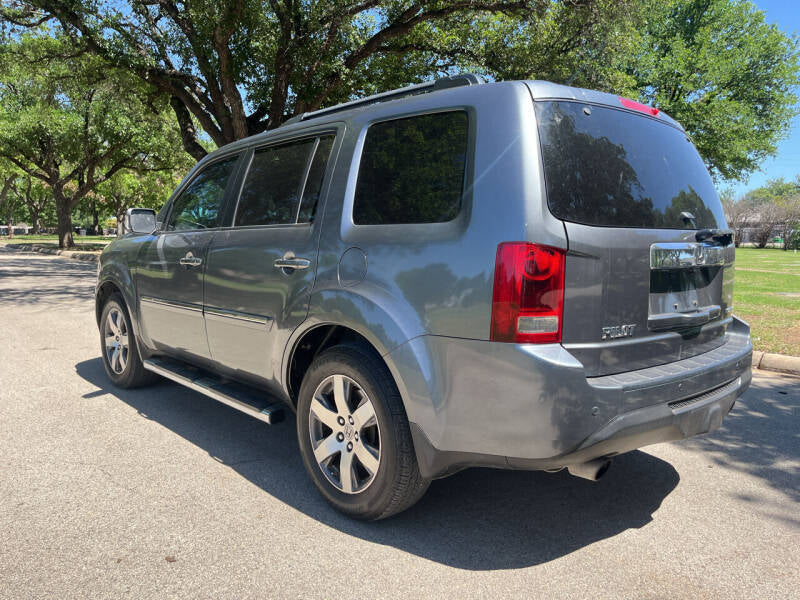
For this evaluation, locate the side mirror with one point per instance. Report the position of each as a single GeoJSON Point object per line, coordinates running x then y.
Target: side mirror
{"type": "Point", "coordinates": [140, 220]}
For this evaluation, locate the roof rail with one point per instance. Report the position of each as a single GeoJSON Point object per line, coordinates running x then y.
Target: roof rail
{"type": "Point", "coordinates": [442, 83]}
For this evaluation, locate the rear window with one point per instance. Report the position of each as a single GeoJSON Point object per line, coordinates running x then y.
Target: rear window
{"type": "Point", "coordinates": [412, 170]}
{"type": "Point", "coordinates": [612, 168]}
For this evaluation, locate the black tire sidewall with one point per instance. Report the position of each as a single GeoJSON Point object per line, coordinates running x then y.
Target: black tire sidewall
{"type": "Point", "coordinates": [353, 363]}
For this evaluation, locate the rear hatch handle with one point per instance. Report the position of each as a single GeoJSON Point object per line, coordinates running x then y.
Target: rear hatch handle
{"type": "Point", "coordinates": [722, 237]}
{"type": "Point", "coordinates": [687, 319]}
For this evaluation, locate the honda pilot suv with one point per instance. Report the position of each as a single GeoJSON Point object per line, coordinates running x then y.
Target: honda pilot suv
{"type": "Point", "coordinates": [518, 275]}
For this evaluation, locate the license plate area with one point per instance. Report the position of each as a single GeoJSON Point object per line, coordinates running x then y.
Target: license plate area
{"type": "Point", "coordinates": [686, 283]}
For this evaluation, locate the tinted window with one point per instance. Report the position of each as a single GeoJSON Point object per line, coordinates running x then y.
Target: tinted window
{"type": "Point", "coordinates": [316, 173]}
{"type": "Point", "coordinates": [199, 205]}
{"type": "Point", "coordinates": [412, 170]}
{"type": "Point", "coordinates": [271, 190]}
{"type": "Point", "coordinates": [614, 168]}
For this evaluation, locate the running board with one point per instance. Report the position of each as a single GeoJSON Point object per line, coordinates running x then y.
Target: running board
{"type": "Point", "coordinates": [236, 395]}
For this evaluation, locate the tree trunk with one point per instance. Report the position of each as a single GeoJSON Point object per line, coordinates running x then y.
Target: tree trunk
{"type": "Point", "coordinates": [95, 218]}
{"type": "Point", "coordinates": [35, 222]}
{"type": "Point", "coordinates": [64, 215]}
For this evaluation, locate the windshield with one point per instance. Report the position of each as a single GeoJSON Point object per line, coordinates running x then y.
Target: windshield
{"type": "Point", "coordinates": [613, 168]}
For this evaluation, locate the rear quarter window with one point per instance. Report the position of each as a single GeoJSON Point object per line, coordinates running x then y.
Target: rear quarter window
{"type": "Point", "coordinates": [412, 170]}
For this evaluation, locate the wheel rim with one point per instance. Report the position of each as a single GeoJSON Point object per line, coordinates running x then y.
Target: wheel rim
{"type": "Point", "coordinates": [115, 334]}
{"type": "Point", "coordinates": [345, 436]}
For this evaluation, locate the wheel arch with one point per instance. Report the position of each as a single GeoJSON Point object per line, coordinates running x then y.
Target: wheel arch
{"type": "Point", "coordinates": [364, 315]}
{"type": "Point", "coordinates": [115, 280]}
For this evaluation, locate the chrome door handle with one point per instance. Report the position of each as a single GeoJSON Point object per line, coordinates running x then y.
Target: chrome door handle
{"type": "Point", "coordinates": [292, 263]}
{"type": "Point", "coordinates": [190, 260]}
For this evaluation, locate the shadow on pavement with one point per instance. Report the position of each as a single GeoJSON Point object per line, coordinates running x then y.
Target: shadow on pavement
{"type": "Point", "coordinates": [760, 435]}
{"type": "Point", "coordinates": [479, 519]}
{"type": "Point", "coordinates": [29, 278]}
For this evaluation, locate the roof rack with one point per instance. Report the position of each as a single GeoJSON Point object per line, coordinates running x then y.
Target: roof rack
{"type": "Point", "coordinates": [442, 83]}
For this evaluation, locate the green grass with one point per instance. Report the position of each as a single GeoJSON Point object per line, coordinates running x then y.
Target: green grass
{"type": "Point", "coordinates": [766, 294]}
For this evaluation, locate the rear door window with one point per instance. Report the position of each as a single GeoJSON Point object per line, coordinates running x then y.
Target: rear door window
{"type": "Point", "coordinates": [316, 174]}
{"type": "Point", "coordinates": [613, 168]}
{"type": "Point", "coordinates": [412, 170]}
{"type": "Point", "coordinates": [283, 183]}
{"type": "Point", "coordinates": [271, 191]}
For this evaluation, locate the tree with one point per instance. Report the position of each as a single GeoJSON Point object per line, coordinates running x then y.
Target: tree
{"type": "Point", "coordinates": [234, 68]}
{"type": "Point", "coordinates": [775, 207]}
{"type": "Point", "coordinates": [127, 190]}
{"type": "Point", "coordinates": [34, 195]}
{"type": "Point", "coordinates": [239, 67]}
{"type": "Point", "coordinates": [738, 213]}
{"type": "Point", "coordinates": [7, 200]}
{"type": "Point", "coordinates": [72, 124]}
{"type": "Point", "coordinates": [724, 73]}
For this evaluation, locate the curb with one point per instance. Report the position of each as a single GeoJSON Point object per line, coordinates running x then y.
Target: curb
{"type": "Point", "coordinates": [45, 250]}
{"type": "Point", "coordinates": [776, 362]}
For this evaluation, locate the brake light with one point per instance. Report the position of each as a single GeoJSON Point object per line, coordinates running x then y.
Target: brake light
{"type": "Point", "coordinates": [528, 298]}
{"type": "Point", "coordinates": [633, 105]}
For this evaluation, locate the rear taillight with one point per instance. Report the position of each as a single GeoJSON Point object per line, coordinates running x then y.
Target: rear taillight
{"type": "Point", "coordinates": [528, 298]}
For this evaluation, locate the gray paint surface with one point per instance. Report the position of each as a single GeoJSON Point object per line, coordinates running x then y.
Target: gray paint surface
{"type": "Point", "coordinates": [421, 294]}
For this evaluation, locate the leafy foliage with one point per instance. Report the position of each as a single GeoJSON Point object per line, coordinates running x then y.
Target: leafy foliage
{"type": "Point", "coordinates": [72, 124]}
{"type": "Point", "coordinates": [724, 73]}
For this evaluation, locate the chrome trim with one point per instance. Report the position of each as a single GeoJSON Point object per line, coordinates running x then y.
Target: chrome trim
{"type": "Point", "coordinates": [190, 260]}
{"type": "Point", "coordinates": [689, 255]}
{"type": "Point", "coordinates": [170, 305]}
{"type": "Point", "coordinates": [292, 263]}
{"type": "Point", "coordinates": [221, 314]}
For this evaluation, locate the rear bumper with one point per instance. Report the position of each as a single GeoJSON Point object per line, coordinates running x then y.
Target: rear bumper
{"type": "Point", "coordinates": [476, 403]}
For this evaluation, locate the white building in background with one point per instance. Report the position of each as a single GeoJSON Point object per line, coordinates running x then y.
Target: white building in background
{"type": "Point", "coordinates": [19, 229]}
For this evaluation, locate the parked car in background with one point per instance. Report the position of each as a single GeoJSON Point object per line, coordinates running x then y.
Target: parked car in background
{"type": "Point", "coordinates": [517, 275]}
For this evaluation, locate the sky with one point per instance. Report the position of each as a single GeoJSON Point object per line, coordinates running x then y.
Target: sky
{"type": "Point", "coordinates": [786, 15]}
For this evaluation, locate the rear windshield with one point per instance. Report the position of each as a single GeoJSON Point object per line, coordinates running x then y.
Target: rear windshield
{"type": "Point", "coordinates": [613, 168]}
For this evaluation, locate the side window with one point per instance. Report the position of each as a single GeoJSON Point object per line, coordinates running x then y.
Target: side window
{"type": "Point", "coordinates": [316, 173]}
{"type": "Point", "coordinates": [271, 192]}
{"type": "Point", "coordinates": [412, 170]}
{"type": "Point", "coordinates": [199, 205]}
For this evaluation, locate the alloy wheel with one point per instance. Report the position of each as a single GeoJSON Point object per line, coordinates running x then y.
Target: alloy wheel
{"type": "Point", "coordinates": [345, 436]}
{"type": "Point", "coordinates": [115, 334]}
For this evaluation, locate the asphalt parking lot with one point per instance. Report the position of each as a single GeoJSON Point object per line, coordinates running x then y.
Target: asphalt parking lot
{"type": "Point", "coordinates": [161, 492]}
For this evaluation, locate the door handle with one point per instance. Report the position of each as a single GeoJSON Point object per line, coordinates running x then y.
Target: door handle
{"type": "Point", "coordinates": [190, 260]}
{"type": "Point", "coordinates": [292, 263]}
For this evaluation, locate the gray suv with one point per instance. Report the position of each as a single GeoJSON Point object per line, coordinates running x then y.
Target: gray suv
{"type": "Point", "coordinates": [518, 275]}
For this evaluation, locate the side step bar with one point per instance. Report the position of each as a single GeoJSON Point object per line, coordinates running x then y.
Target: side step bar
{"type": "Point", "coordinates": [236, 395]}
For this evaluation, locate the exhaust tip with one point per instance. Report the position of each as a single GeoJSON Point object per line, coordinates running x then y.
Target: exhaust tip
{"type": "Point", "coordinates": [592, 470]}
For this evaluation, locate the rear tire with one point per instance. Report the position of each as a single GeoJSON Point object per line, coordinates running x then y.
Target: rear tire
{"type": "Point", "coordinates": [354, 436]}
{"type": "Point", "coordinates": [119, 349]}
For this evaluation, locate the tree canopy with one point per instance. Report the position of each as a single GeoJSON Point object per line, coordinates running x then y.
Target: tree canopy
{"type": "Point", "coordinates": [73, 125]}
{"type": "Point", "coordinates": [233, 68]}
{"type": "Point", "coordinates": [91, 88]}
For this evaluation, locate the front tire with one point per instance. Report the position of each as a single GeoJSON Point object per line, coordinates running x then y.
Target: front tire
{"type": "Point", "coordinates": [119, 349]}
{"type": "Point", "coordinates": [354, 435]}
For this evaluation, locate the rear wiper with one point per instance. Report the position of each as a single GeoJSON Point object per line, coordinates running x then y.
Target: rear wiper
{"type": "Point", "coordinates": [722, 237]}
